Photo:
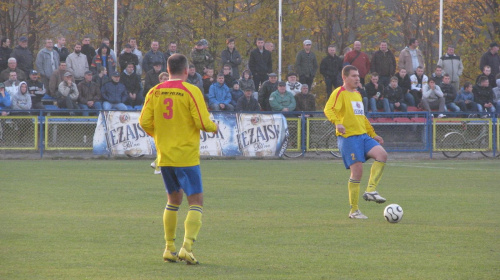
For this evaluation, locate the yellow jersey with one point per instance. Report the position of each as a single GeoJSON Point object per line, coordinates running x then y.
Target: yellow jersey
{"type": "Point", "coordinates": [346, 108]}
{"type": "Point", "coordinates": [173, 114]}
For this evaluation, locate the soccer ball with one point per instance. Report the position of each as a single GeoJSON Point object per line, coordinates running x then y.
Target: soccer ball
{"type": "Point", "coordinates": [393, 213]}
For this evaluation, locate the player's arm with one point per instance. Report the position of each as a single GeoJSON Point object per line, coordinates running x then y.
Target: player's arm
{"type": "Point", "coordinates": [200, 114]}
{"type": "Point", "coordinates": [333, 107]}
{"type": "Point", "coordinates": [146, 119]}
{"type": "Point", "coordinates": [371, 131]}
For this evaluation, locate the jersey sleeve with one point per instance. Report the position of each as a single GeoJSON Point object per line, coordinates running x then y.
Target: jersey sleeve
{"type": "Point", "coordinates": [333, 107]}
{"type": "Point", "coordinates": [199, 112]}
{"type": "Point", "coordinates": [146, 119]}
{"type": "Point", "coordinates": [369, 128]}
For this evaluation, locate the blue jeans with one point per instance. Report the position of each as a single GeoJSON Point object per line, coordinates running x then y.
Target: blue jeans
{"type": "Point", "coordinates": [118, 106]}
{"type": "Point", "coordinates": [97, 106]}
{"type": "Point", "coordinates": [365, 104]}
{"type": "Point", "coordinates": [410, 100]}
{"type": "Point", "coordinates": [380, 103]}
{"type": "Point", "coordinates": [452, 106]}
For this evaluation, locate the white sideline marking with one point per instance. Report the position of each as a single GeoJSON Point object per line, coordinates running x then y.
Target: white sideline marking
{"type": "Point", "coordinates": [438, 166]}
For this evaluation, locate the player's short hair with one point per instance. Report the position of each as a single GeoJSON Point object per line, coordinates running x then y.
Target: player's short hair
{"type": "Point", "coordinates": [220, 75]}
{"type": "Point", "coordinates": [229, 40]}
{"type": "Point", "coordinates": [227, 65]}
{"type": "Point", "coordinates": [259, 39]}
{"type": "Point", "coordinates": [432, 80]}
{"type": "Point", "coordinates": [467, 84]}
{"type": "Point", "coordinates": [374, 74]}
{"type": "Point", "coordinates": [78, 44]}
{"type": "Point", "coordinates": [412, 40]}
{"type": "Point", "coordinates": [332, 46]}
{"type": "Point", "coordinates": [394, 78]}
{"type": "Point", "coordinates": [420, 67]}
{"type": "Point", "coordinates": [177, 64]}
{"type": "Point", "coordinates": [446, 75]}
{"type": "Point", "coordinates": [191, 66]}
{"type": "Point", "coordinates": [438, 67]}
{"type": "Point", "coordinates": [347, 69]}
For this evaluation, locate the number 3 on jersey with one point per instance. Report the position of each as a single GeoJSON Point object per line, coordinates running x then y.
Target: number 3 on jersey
{"type": "Point", "coordinates": [169, 103]}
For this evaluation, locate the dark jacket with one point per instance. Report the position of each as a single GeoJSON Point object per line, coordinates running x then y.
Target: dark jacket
{"type": "Point", "coordinates": [306, 64]}
{"type": "Point", "coordinates": [260, 63]}
{"type": "Point", "coordinates": [371, 91]}
{"type": "Point", "coordinates": [265, 92]}
{"type": "Point", "coordinates": [4, 57]}
{"type": "Point", "coordinates": [24, 59]}
{"type": "Point", "coordinates": [63, 52]}
{"type": "Point", "coordinates": [233, 59]}
{"type": "Point", "coordinates": [305, 102]}
{"type": "Point", "coordinates": [404, 83]}
{"type": "Point", "coordinates": [196, 80]}
{"type": "Point", "coordinates": [127, 58]}
{"type": "Point", "coordinates": [384, 63]}
{"type": "Point", "coordinates": [394, 94]}
{"type": "Point", "coordinates": [152, 57]}
{"type": "Point", "coordinates": [330, 67]}
{"type": "Point", "coordinates": [132, 82]}
{"type": "Point", "coordinates": [492, 60]}
{"type": "Point", "coordinates": [88, 92]}
{"type": "Point", "coordinates": [235, 96]}
{"type": "Point", "coordinates": [114, 92]}
{"type": "Point", "coordinates": [151, 80]}
{"type": "Point", "coordinates": [449, 92]}
{"type": "Point", "coordinates": [246, 105]}
{"type": "Point", "coordinates": [482, 95]}
{"type": "Point", "coordinates": [100, 81]}
{"type": "Point", "coordinates": [36, 89]}
{"type": "Point", "coordinates": [89, 51]}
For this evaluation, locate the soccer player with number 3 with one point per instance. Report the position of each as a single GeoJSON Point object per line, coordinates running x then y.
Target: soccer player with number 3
{"type": "Point", "coordinates": [356, 139]}
{"type": "Point", "coordinates": [174, 112]}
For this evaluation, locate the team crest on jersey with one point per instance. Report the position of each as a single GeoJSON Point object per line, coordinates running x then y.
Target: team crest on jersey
{"type": "Point", "coordinates": [358, 107]}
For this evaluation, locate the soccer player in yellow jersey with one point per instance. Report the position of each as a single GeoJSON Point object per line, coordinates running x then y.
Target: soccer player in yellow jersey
{"type": "Point", "coordinates": [173, 114]}
{"type": "Point", "coordinates": [356, 139]}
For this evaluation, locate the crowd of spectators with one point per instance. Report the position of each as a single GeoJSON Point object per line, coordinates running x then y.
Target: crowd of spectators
{"type": "Point", "coordinates": [90, 78]}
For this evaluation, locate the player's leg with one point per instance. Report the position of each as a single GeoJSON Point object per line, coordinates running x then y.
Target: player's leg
{"type": "Point", "coordinates": [379, 155]}
{"type": "Point", "coordinates": [351, 149]}
{"type": "Point", "coordinates": [175, 194]}
{"type": "Point", "coordinates": [353, 187]}
{"type": "Point", "coordinates": [190, 180]}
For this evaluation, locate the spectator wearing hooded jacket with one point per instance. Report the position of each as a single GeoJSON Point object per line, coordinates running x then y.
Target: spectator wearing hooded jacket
{"type": "Point", "coordinates": [103, 58]}
{"type": "Point", "coordinates": [219, 97]}
{"type": "Point", "coordinates": [22, 99]}
{"type": "Point", "coordinates": [36, 90]}
{"type": "Point", "coordinates": [47, 61]}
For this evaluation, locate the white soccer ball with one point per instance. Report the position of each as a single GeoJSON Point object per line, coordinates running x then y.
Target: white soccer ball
{"type": "Point", "coordinates": [393, 213]}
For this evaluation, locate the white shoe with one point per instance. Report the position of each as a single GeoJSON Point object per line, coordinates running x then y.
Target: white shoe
{"type": "Point", "coordinates": [440, 116]}
{"type": "Point", "coordinates": [357, 215]}
{"type": "Point", "coordinates": [153, 164]}
{"type": "Point", "coordinates": [373, 196]}
{"type": "Point", "coordinates": [157, 172]}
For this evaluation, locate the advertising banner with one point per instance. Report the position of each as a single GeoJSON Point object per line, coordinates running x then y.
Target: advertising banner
{"type": "Point", "coordinates": [239, 134]}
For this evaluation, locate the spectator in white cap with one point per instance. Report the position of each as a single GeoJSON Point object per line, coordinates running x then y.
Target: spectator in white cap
{"type": "Point", "coordinates": [306, 64]}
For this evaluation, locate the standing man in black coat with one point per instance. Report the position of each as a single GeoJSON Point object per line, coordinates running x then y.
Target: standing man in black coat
{"type": "Point", "coordinates": [260, 63]}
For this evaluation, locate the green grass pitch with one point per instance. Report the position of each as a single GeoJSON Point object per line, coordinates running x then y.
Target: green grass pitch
{"type": "Point", "coordinates": [275, 219]}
